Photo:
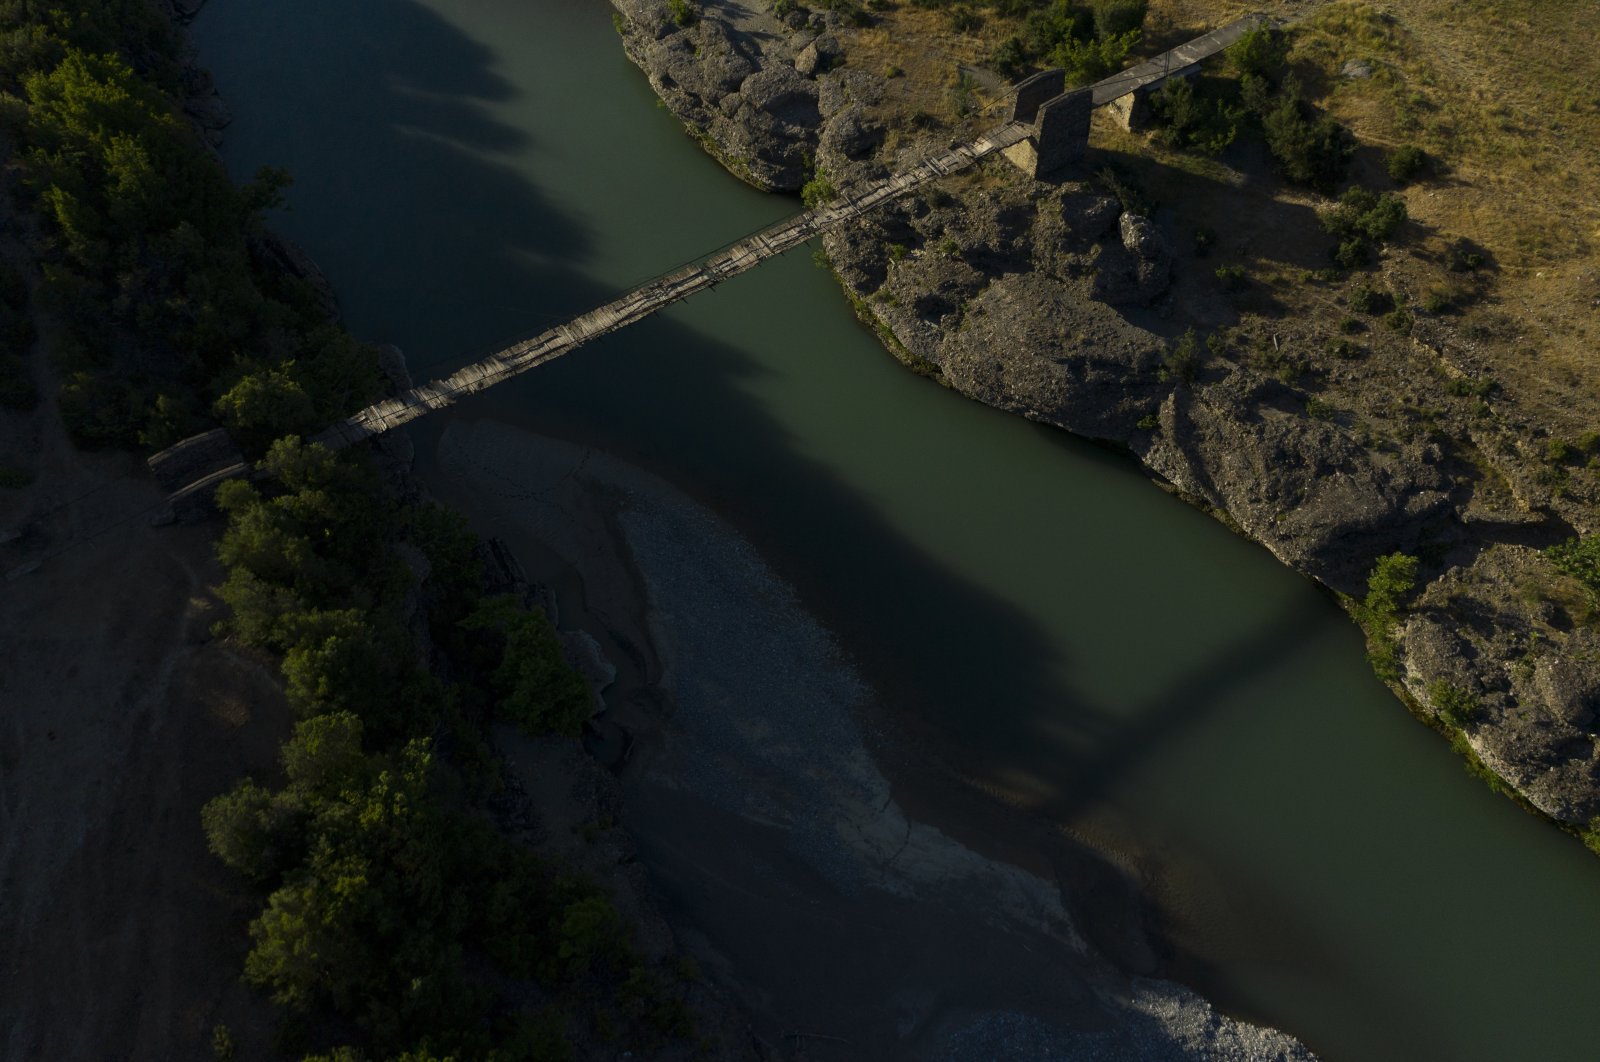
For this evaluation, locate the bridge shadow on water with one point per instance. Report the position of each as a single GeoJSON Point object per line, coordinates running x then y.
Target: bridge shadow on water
{"type": "Point", "coordinates": [412, 191]}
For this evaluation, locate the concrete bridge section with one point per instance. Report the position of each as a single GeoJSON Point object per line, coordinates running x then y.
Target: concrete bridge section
{"type": "Point", "coordinates": [1048, 132]}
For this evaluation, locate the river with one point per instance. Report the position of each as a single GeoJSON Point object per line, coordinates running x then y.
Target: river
{"type": "Point", "coordinates": [1056, 630]}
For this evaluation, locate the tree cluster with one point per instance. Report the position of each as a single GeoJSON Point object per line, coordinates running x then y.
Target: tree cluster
{"type": "Point", "coordinates": [1089, 41]}
{"type": "Point", "coordinates": [390, 902]}
{"type": "Point", "coordinates": [165, 310]}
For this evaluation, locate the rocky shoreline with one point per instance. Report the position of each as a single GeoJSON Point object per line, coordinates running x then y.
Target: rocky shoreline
{"type": "Point", "coordinates": [1053, 301]}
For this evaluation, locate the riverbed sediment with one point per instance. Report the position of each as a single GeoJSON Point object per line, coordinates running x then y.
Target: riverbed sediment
{"type": "Point", "coordinates": [777, 847]}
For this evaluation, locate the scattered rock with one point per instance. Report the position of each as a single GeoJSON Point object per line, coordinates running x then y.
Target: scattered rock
{"type": "Point", "coordinates": [1356, 69]}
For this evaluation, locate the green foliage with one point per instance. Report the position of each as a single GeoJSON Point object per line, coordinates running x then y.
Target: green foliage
{"type": "Point", "coordinates": [264, 406]}
{"type": "Point", "coordinates": [1262, 53]}
{"type": "Point", "coordinates": [1360, 220]}
{"type": "Point", "coordinates": [1231, 277]}
{"type": "Point", "coordinates": [1398, 320]}
{"type": "Point", "coordinates": [1190, 119]}
{"type": "Point", "coordinates": [1363, 213]}
{"type": "Point", "coordinates": [1405, 163]}
{"type": "Point", "coordinates": [817, 192]}
{"type": "Point", "coordinates": [1090, 60]}
{"type": "Point", "coordinates": [222, 1047]}
{"type": "Point", "coordinates": [251, 831]}
{"type": "Point", "coordinates": [1116, 18]}
{"type": "Point", "coordinates": [1455, 705]}
{"type": "Point", "coordinates": [1580, 558]}
{"type": "Point", "coordinates": [1310, 149]}
{"type": "Point", "coordinates": [158, 301]}
{"type": "Point", "coordinates": [1366, 300]}
{"type": "Point", "coordinates": [1390, 585]}
{"type": "Point", "coordinates": [683, 12]}
{"type": "Point", "coordinates": [13, 477]}
{"type": "Point", "coordinates": [533, 684]}
{"type": "Point", "coordinates": [1204, 240]}
{"type": "Point", "coordinates": [1010, 58]}
{"type": "Point", "coordinates": [1126, 189]}
{"type": "Point", "coordinates": [1184, 359]}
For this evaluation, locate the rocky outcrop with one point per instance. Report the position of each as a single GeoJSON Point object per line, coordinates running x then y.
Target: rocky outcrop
{"type": "Point", "coordinates": [746, 90]}
{"type": "Point", "coordinates": [1053, 302]}
{"type": "Point", "coordinates": [1513, 641]}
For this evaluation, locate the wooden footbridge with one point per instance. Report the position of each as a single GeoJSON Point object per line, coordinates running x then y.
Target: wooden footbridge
{"type": "Point", "coordinates": [1048, 130]}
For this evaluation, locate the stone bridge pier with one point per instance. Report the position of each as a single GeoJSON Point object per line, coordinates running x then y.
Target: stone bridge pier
{"type": "Point", "coordinates": [1060, 121]}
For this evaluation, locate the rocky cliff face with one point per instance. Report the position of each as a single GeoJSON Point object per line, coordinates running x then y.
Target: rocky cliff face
{"type": "Point", "coordinates": [1052, 301]}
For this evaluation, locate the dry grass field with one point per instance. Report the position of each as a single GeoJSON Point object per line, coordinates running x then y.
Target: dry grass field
{"type": "Point", "coordinates": [1504, 95]}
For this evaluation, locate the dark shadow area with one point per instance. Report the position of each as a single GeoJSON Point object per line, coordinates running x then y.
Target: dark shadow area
{"type": "Point", "coordinates": [392, 152]}
{"type": "Point", "coordinates": [436, 244]}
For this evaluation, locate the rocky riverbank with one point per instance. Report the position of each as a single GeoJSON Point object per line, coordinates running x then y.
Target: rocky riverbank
{"type": "Point", "coordinates": [1058, 302]}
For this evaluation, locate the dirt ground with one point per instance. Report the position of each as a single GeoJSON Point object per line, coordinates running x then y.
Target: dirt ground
{"type": "Point", "coordinates": [120, 936]}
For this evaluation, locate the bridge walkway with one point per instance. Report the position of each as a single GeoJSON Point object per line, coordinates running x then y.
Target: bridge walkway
{"type": "Point", "coordinates": [659, 293]}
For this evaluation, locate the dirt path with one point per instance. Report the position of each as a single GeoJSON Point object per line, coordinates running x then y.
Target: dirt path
{"type": "Point", "coordinates": [120, 936]}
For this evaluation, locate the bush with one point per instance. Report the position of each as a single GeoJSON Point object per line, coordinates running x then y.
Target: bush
{"type": "Point", "coordinates": [1579, 558]}
{"type": "Point", "coordinates": [1453, 704]}
{"type": "Point", "coordinates": [1113, 18]}
{"type": "Point", "coordinates": [1406, 163]}
{"type": "Point", "coordinates": [1010, 58]}
{"type": "Point", "coordinates": [1389, 586]}
{"type": "Point", "coordinates": [818, 191]}
{"type": "Point", "coordinates": [1398, 320]}
{"type": "Point", "coordinates": [1261, 53]}
{"type": "Point", "coordinates": [683, 12]}
{"type": "Point", "coordinates": [1190, 120]}
{"type": "Point", "coordinates": [1232, 277]}
{"type": "Point", "coordinates": [1184, 359]}
{"type": "Point", "coordinates": [1310, 148]}
{"type": "Point", "coordinates": [532, 682]}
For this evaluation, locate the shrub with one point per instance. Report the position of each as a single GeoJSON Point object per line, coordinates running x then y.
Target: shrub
{"type": "Point", "coordinates": [1231, 277]}
{"type": "Point", "coordinates": [1088, 61]}
{"type": "Point", "coordinates": [1261, 53]}
{"type": "Point", "coordinates": [1113, 18]}
{"type": "Point", "coordinates": [532, 682]}
{"type": "Point", "coordinates": [1454, 705]}
{"type": "Point", "coordinates": [1010, 57]}
{"type": "Point", "coordinates": [1366, 300]}
{"type": "Point", "coordinates": [1405, 163]}
{"type": "Point", "coordinates": [1361, 219]}
{"type": "Point", "coordinates": [1317, 409]}
{"type": "Point", "coordinates": [1398, 320]}
{"type": "Point", "coordinates": [1390, 584]}
{"type": "Point", "coordinates": [1350, 325]}
{"type": "Point", "coordinates": [1190, 120]}
{"type": "Point", "coordinates": [1204, 240]}
{"type": "Point", "coordinates": [1183, 359]}
{"type": "Point", "coordinates": [683, 12]}
{"type": "Point", "coordinates": [1313, 150]}
{"type": "Point", "coordinates": [818, 191]}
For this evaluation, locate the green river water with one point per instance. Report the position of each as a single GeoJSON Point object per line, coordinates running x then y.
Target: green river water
{"type": "Point", "coordinates": [469, 172]}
